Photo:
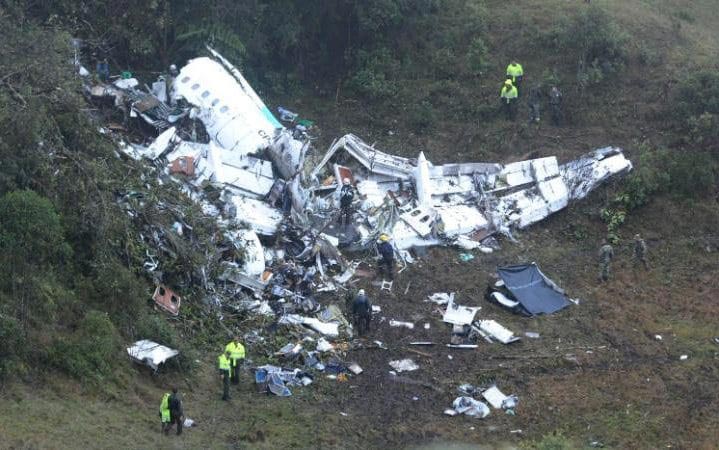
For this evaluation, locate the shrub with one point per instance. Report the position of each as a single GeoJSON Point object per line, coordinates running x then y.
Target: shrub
{"type": "Point", "coordinates": [374, 77]}
{"type": "Point", "coordinates": [477, 56]}
{"type": "Point", "coordinates": [91, 352]}
{"type": "Point", "coordinates": [593, 37]}
{"type": "Point", "coordinates": [12, 344]}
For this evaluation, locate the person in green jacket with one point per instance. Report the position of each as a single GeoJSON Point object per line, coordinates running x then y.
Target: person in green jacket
{"type": "Point", "coordinates": [165, 413]}
{"type": "Point", "coordinates": [515, 73]}
{"type": "Point", "coordinates": [224, 365]}
{"type": "Point", "coordinates": [237, 355]}
{"type": "Point", "coordinates": [508, 96]}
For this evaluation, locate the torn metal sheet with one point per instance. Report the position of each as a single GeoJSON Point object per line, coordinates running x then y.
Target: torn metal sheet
{"type": "Point", "coordinates": [150, 353]}
{"type": "Point", "coordinates": [166, 299]}
{"type": "Point", "coordinates": [497, 331]}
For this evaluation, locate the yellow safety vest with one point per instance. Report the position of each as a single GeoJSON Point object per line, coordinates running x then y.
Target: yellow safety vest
{"type": "Point", "coordinates": [223, 362]}
{"type": "Point", "coordinates": [165, 407]}
{"type": "Point", "coordinates": [515, 71]}
{"type": "Point", "coordinates": [237, 351]}
{"type": "Point", "coordinates": [509, 94]}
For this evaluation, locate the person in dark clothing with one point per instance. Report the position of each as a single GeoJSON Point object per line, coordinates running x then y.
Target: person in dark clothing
{"type": "Point", "coordinates": [361, 312]}
{"type": "Point", "coordinates": [103, 70]}
{"type": "Point", "coordinates": [386, 250]}
{"type": "Point", "coordinates": [347, 195]}
{"type": "Point", "coordinates": [555, 105]}
{"type": "Point", "coordinates": [176, 412]}
{"type": "Point", "coordinates": [534, 99]}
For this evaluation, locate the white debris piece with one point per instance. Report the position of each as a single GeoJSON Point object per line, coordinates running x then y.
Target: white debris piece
{"type": "Point", "coordinates": [398, 323]}
{"type": "Point", "coordinates": [494, 397]}
{"type": "Point", "coordinates": [324, 346]}
{"type": "Point", "coordinates": [458, 314]}
{"type": "Point", "coordinates": [441, 298]}
{"type": "Point", "coordinates": [330, 329]}
{"type": "Point", "coordinates": [497, 331]}
{"type": "Point", "coordinates": [470, 407]}
{"type": "Point", "coordinates": [254, 255]}
{"type": "Point", "coordinates": [150, 353]}
{"type": "Point", "coordinates": [404, 365]}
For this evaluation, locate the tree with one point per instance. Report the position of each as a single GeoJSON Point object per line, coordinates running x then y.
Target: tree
{"type": "Point", "coordinates": [32, 245]}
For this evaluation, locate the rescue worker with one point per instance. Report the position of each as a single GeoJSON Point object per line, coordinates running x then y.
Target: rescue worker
{"type": "Point", "coordinates": [555, 105]}
{"type": "Point", "coordinates": [103, 70]}
{"type": "Point", "coordinates": [224, 364]}
{"type": "Point", "coordinates": [176, 412]}
{"type": "Point", "coordinates": [534, 99]}
{"type": "Point", "coordinates": [386, 251]}
{"type": "Point", "coordinates": [606, 253]}
{"type": "Point", "coordinates": [508, 95]}
{"type": "Point", "coordinates": [237, 355]}
{"type": "Point", "coordinates": [515, 73]}
{"type": "Point", "coordinates": [170, 81]}
{"type": "Point", "coordinates": [165, 413]}
{"type": "Point", "coordinates": [640, 251]}
{"type": "Point", "coordinates": [347, 195]}
{"type": "Point", "coordinates": [361, 312]}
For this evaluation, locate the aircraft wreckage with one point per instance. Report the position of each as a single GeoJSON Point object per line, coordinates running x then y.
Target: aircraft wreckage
{"type": "Point", "coordinates": [271, 181]}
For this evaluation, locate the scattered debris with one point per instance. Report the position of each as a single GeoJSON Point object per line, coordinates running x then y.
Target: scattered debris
{"type": "Point", "coordinates": [278, 249]}
{"type": "Point", "coordinates": [684, 357]}
{"type": "Point", "coordinates": [531, 334]}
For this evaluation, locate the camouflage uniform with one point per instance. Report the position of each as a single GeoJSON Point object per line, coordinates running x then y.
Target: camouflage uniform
{"type": "Point", "coordinates": [640, 251]}
{"type": "Point", "coordinates": [606, 253]}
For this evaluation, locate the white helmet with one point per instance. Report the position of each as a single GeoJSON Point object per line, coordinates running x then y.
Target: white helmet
{"type": "Point", "coordinates": [346, 180]}
{"type": "Point", "coordinates": [361, 292]}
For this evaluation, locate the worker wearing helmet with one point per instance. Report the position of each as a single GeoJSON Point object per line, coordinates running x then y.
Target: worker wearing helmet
{"type": "Point", "coordinates": [508, 96]}
{"type": "Point", "coordinates": [347, 195]}
{"type": "Point", "coordinates": [361, 312]}
{"type": "Point", "coordinates": [386, 251]}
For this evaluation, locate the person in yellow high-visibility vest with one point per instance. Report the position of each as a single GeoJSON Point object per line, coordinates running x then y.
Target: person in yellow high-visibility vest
{"type": "Point", "coordinates": [515, 72]}
{"type": "Point", "coordinates": [165, 413]}
{"type": "Point", "coordinates": [508, 96]}
{"type": "Point", "coordinates": [224, 365]}
{"type": "Point", "coordinates": [237, 354]}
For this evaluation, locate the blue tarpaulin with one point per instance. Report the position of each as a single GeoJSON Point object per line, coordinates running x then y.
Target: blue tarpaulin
{"type": "Point", "coordinates": [532, 289]}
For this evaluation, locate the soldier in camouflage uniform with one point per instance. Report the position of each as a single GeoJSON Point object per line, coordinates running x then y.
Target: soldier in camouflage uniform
{"type": "Point", "coordinates": [606, 253]}
{"type": "Point", "coordinates": [640, 251]}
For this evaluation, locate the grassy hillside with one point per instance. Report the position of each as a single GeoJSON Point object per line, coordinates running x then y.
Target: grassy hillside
{"type": "Point", "coordinates": [597, 373]}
